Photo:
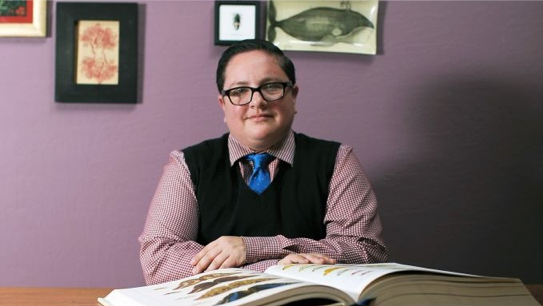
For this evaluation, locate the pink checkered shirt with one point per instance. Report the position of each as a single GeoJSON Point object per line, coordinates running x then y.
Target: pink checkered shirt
{"type": "Point", "coordinates": [353, 227]}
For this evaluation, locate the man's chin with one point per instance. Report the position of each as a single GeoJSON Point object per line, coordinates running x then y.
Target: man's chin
{"type": "Point", "coordinates": [261, 132]}
{"type": "Point", "coordinates": [263, 140]}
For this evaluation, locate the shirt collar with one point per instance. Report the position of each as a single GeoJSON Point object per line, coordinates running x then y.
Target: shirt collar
{"type": "Point", "coordinates": [284, 150]}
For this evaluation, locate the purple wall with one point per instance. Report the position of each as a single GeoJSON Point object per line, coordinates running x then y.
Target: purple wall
{"type": "Point", "coordinates": [447, 121]}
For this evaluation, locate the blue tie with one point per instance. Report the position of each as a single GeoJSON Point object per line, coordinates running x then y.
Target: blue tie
{"type": "Point", "coordinates": [260, 179]}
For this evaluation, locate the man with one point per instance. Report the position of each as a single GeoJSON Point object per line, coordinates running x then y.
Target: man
{"type": "Point", "coordinates": [222, 203]}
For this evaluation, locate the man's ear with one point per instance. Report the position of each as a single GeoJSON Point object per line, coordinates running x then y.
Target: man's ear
{"type": "Point", "coordinates": [294, 96]}
{"type": "Point", "coordinates": [295, 89]}
{"type": "Point", "coordinates": [221, 101]}
{"type": "Point", "coordinates": [220, 98]}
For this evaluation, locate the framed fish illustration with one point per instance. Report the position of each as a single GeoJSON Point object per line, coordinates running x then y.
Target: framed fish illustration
{"type": "Point", "coordinates": [323, 26]}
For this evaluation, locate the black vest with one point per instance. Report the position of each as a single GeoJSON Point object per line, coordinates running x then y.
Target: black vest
{"type": "Point", "coordinates": [293, 205]}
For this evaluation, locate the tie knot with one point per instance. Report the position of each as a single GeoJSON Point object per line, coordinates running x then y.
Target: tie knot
{"type": "Point", "coordinates": [260, 160]}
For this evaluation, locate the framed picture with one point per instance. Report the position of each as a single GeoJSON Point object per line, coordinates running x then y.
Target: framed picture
{"type": "Point", "coordinates": [236, 20]}
{"type": "Point", "coordinates": [96, 52]}
{"type": "Point", "coordinates": [326, 26]}
{"type": "Point", "coordinates": [23, 18]}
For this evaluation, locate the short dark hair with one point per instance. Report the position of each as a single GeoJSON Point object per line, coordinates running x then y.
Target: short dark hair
{"type": "Point", "coordinates": [250, 45]}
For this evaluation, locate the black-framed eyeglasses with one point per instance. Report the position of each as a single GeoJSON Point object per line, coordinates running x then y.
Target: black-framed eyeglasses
{"type": "Point", "coordinates": [244, 95]}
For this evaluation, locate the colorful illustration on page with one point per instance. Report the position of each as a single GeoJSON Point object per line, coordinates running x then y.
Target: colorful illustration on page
{"type": "Point", "coordinates": [362, 272]}
{"type": "Point", "coordinates": [285, 267]}
{"type": "Point", "coordinates": [234, 285]}
{"type": "Point", "coordinates": [210, 284]}
{"type": "Point", "coordinates": [318, 268]}
{"type": "Point", "coordinates": [238, 295]}
{"type": "Point", "coordinates": [345, 270]}
{"type": "Point", "coordinates": [303, 267]}
{"type": "Point", "coordinates": [192, 282]}
{"type": "Point", "coordinates": [327, 271]}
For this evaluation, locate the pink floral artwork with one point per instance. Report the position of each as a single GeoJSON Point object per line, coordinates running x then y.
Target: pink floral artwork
{"type": "Point", "coordinates": [98, 49]}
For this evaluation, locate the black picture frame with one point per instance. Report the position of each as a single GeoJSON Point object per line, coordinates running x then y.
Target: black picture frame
{"type": "Point", "coordinates": [247, 16]}
{"type": "Point", "coordinates": [68, 15]}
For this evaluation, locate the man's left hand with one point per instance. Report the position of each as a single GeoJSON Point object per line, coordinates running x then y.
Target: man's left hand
{"type": "Point", "coordinates": [225, 252]}
{"type": "Point", "coordinates": [305, 258]}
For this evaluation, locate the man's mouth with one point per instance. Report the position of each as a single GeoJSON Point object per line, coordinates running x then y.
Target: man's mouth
{"type": "Point", "coordinates": [260, 117]}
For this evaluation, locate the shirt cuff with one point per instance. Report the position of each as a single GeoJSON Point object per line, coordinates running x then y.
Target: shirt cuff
{"type": "Point", "coordinates": [262, 248]}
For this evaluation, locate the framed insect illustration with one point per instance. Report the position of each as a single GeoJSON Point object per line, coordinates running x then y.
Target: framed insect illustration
{"type": "Point", "coordinates": [326, 26]}
{"type": "Point", "coordinates": [23, 18]}
{"type": "Point", "coordinates": [96, 52]}
{"type": "Point", "coordinates": [236, 21]}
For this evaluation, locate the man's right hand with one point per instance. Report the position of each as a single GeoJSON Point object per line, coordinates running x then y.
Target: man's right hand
{"type": "Point", "coordinates": [225, 252]}
{"type": "Point", "coordinates": [304, 258]}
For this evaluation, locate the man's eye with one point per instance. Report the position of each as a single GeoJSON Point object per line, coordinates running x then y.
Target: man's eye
{"type": "Point", "coordinates": [272, 86]}
{"type": "Point", "coordinates": [238, 91]}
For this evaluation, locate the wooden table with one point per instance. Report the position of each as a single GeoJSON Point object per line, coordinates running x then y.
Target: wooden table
{"type": "Point", "coordinates": [51, 296]}
{"type": "Point", "coordinates": [89, 296]}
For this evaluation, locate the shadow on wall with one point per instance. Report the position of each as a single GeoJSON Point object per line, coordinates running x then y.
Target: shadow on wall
{"type": "Point", "coordinates": [473, 199]}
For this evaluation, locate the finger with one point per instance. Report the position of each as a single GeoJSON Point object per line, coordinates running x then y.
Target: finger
{"type": "Point", "coordinates": [297, 258]}
{"type": "Point", "coordinates": [283, 261]}
{"type": "Point", "coordinates": [230, 262]}
{"type": "Point", "coordinates": [301, 260]}
{"type": "Point", "coordinates": [202, 253]}
{"type": "Point", "coordinates": [287, 260]}
{"type": "Point", "coordinates": [197, 258]}
{"type": "Point", "coordinates": [314, 257]}
{"type": "Point", "coordinates": [227, 264]}
{"type": "Point", "coordinates": [205, 261]}
{"type": "Point", "coordinates": [319, 258]}
{"type": "Point", "coordinates": [217, 262]}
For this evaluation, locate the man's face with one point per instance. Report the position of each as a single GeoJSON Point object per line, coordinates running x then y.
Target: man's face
{"type": "Point", "coordinates": [259, 124]}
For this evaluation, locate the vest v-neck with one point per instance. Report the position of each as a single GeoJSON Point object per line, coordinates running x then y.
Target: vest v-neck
{"type": "Point", "coordinates": [293, 205]}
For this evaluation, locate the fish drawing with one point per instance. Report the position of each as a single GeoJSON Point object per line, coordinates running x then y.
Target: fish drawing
{"type": "Point", "coordinates": [324, 26]}
{"type": "Point", "coordinates": [327, 271]}
{"type": "Point", "coordinates": [238, 295]}
{"type": "Point", "coordinates": [192, 282]}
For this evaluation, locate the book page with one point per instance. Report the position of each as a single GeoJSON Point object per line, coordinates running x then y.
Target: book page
{"type": "Point", "coordinates": [221, 287]}
{"type": "Point", "coordinates": [352, 279]}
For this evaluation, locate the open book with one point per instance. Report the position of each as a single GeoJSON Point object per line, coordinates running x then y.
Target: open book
{"type": "Point", "coordinates": [386, 284]}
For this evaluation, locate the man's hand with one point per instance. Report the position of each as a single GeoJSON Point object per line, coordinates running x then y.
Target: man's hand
{"type": "Point", "coordinates": [225, 252]}
{"type": "Point", "coordinates": [304, 258]}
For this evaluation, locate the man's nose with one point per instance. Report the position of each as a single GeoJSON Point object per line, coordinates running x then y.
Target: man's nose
{"type": "Point", "coordinates": [257, 100]}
